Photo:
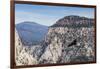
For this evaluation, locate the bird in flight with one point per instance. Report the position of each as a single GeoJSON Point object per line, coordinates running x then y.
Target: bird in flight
{"type": "Point", "coordinates": [74, 42]}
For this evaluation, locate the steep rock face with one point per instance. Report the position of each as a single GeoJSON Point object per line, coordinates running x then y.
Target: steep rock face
{"type": "Point", "coordinates": [22, 55]}
{"type": "Point", "coordinates": [69, 44]}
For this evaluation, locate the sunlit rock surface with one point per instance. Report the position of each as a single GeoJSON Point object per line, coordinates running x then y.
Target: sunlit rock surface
{"type": "Point", "coordinates": [22, 55]}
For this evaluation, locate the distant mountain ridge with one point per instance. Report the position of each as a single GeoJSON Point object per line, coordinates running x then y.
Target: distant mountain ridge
{"type": "Point", "coordinates": [74, 21]}
{"type": "Point", "coordinates": [31, 32]}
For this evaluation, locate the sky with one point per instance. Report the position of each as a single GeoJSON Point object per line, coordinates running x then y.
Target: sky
{"type": "Point", "coordinates": [48, 15]}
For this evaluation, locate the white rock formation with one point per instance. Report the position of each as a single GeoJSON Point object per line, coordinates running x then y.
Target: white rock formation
{"type": "Point", "coordinates": [58, 39]}
{"type": "Point", "coordinates": [22, 55]}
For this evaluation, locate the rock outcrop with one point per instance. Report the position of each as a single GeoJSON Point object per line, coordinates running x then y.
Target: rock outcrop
{"type": "Point", "coordinates": [69, 45]}
{"type": "Point", "coordinates": [71, 39]}
{"type": "Point", "coordinates": [22, 55]}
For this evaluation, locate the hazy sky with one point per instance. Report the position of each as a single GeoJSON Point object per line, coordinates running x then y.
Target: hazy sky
{"type": "Point", "coordinates": [48, 15]}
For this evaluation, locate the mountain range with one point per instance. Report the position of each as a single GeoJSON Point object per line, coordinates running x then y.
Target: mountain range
{"type": "Point", "coordinates": [31, 33]}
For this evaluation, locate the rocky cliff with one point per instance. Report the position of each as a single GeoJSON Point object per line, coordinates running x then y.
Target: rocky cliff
{"type": "Point", "coordinates": [70, 39]}
{"type": "Point", "coordinates": [22, 53]}
{"type": "Point", "coordinates": [69, 45]}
